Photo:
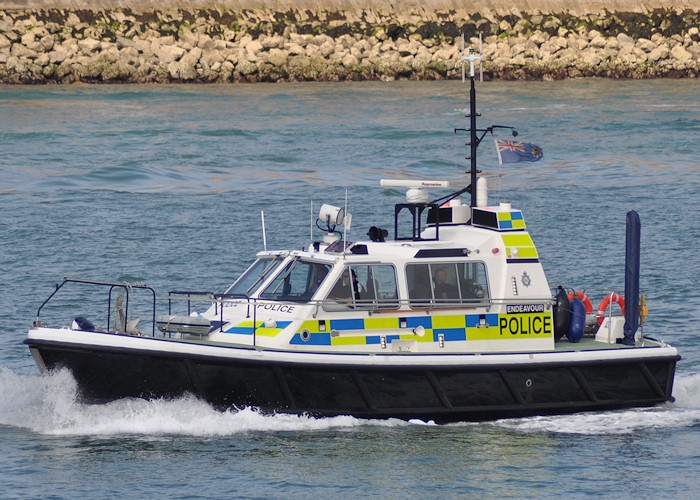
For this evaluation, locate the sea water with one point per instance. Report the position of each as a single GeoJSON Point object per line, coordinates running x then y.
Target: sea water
{"type": "Point", "coordinates": [166, 184]}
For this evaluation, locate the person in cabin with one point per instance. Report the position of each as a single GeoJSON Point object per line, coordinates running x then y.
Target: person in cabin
{"type": "Point", "coordinates": [346, 288]}
{"type": "Point", "coordinates": [443, 289]}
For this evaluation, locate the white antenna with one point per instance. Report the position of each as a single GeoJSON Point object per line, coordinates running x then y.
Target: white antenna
{"type": "Point", "coordinates": [262, 216]}
{"type": "Point", "coordinates": [481, 61]}
{"type": "Point", "coordinates": [346, 222]}
{"type": "Point", "coordinates": [472, 58]}
{"type": "Point", "coordinates": [311, 222]}
{"type": "Point", "coordinates": [463, 75]}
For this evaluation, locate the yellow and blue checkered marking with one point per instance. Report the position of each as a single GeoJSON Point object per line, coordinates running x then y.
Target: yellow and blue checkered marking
{"type": "Point", "coordinates": [511, 220]}
{"type": "Point", "coordinates": [247, 328]}
{"type": "Point", "coordinates": [451, 328]}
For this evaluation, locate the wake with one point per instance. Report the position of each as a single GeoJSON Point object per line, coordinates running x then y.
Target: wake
{"type": "Point", "coordinates": [49, 405]}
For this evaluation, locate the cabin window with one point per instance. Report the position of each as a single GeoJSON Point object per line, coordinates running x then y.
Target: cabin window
{"type": "Point", "coordinates": [446, 284]}
{"type": "Point", "coordinates": [297, 281]}
{"type": "Point", "coordinates": [254, 276]}
{"type": "Point", "coordinates": [365, 287]}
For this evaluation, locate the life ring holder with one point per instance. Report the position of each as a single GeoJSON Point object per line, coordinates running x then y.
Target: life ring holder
{"type": "Point", "coordinates": [607, 300]}
{"type": "Point", "coordinates": [643, 310]}
{"type": "Point", "coordinates": [583, 298]}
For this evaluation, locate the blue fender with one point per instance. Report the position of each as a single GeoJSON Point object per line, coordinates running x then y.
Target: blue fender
{"type": "Point", "coordinates": [577, 322]}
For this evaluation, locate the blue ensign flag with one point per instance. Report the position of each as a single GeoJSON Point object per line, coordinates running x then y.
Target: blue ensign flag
{"type": "Point", "coordinates": [510, 151]}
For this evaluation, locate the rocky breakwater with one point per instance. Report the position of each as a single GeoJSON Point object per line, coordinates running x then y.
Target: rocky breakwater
{"type": "Point", "coordinates": [64, 46]}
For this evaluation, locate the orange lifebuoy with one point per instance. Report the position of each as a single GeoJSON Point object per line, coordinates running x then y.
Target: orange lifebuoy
{"type": "Point", "coordinates": [583, 298]}
{"type": "Point", "coordinates": [613, 297]}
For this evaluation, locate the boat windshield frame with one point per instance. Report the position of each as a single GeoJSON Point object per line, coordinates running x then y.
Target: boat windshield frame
{"type": "Point", "coordinates": [292, 283]}
{"type": "Point", "coordinates": [266, 264]}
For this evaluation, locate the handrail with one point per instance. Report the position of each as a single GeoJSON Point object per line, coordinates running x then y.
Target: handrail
{"type": "Point", "coordinates": [112, 285]}
{"type": "Point", "coordinates": [220, 297]}
{"type": "Point", "coordinates": [376, 306]}
{"type": "Point", "coordinates": [187, 295]}
{"type": "Point", "coordinates": [216, 298]}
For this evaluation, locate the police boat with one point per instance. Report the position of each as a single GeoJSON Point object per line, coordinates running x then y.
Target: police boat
{"type": "Point", "coordinates": [452, 319]}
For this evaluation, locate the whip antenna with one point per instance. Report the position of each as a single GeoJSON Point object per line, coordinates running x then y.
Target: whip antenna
{"type": "Point", "coordinates": [311, 222]}
{"type": "Point", "coordinates": [481, 59]}
{"type": "Point", "coordinates": [262, 217]}
{"type": "Point", "coordinates": [463, 75]}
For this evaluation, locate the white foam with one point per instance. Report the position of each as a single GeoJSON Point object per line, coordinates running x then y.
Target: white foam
{"type": "Point", "coordinates": [48, 405]}
{"type": "Point", "coordinates": [685, 412]}
{"type": "Point", "coordinates": [686, 390]}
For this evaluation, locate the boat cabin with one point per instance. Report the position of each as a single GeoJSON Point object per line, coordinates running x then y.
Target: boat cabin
{"type": "Point", "coordinates": [460, 280]}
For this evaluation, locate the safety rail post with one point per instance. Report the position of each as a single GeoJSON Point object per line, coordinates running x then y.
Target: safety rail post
{"type": "Point", "coordinates": [228, 296]}
{"type": "Point", "coordinates": [37, 321]}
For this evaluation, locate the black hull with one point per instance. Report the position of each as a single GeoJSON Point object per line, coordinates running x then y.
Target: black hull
{"type": "Point", "coordinates": [443, 394]}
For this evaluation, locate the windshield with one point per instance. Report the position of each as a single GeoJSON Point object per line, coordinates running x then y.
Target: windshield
{"type": "Point", "coordinates": [297, 282]}
{"type": "Point", "coordinates": [253, 277]}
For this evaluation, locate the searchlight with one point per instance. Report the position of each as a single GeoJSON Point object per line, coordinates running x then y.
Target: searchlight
{"type": "Point", "coordinates": [332, 216]}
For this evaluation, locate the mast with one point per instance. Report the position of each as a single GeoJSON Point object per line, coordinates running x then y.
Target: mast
{"type": "Point", "coordinates": [473, 141]}
{"type": "Point", "coordinates": [474, 138]}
